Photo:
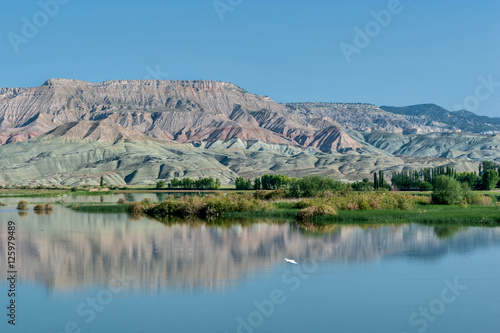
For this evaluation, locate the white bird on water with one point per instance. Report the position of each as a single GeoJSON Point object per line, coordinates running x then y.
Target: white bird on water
{"type": "Point", "coordinates": [291, 261]}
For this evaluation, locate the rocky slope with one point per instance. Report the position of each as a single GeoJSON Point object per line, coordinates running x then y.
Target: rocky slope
{"type": "Point", "coordinates": [180, 110]}
{"type": "Point", "coordinates": [466, 146]}
{"type": "Point", "coordinates": [73, 132]}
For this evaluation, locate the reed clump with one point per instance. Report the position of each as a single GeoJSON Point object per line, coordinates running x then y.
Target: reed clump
{"type": "Point", "coordinates": [44, 207]}
{"type": "Point", "coordinates": [22, 205]}
{"type": "Point", "coordinates": [208, 206]}
{"type": "Point", "coordinates": [308, 213]}
{"type": "Point", "coordinates": [135, 208]}
{"type": "Point", "coordinates": [122, 201]}
{"type": "Point", "coordinates": [349, 200]}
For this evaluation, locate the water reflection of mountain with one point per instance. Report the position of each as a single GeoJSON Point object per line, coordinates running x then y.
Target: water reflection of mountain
{"type": "Point", "coordinates": [78, 250]}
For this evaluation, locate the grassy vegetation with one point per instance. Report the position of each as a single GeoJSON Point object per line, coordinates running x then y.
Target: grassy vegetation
{"type": "Point", "coordinates": [323, 207]}
{"type": "Point", "coordinates": [329, 204]}
{"type": "Point", "coordinates": [32, 193]}
{"type": "Point", "coordinates": [495, 196]}
{"type": "Point", "coordinates": [107, 192]}
{"type": "Point", "coordinates": [101, 208]}
{"type": "Point", "coordinates": [328, 208]}
{"type": "Point", "coordinates": [202, 207]}
{"type": "Point", "coordinates": [428, 214]}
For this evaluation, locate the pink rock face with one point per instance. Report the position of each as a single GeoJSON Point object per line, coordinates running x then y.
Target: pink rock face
{"type": "Point", "coordinates": [184, 111]}
{"type": "Point", "coordinates": [334, 138]}
{"type": "Point", "coordinates": [98, 131]}
{"type": "Point", "coordinates": [237, 130]}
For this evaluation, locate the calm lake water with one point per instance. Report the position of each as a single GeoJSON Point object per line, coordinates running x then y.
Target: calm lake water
{"type": "Point", "coordinates": [108, 273]}
{"type": "Point", "coordinates": [110, 198]}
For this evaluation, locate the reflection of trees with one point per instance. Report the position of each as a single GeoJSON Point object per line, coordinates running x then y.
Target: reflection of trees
{"type": "Point", "coordinates": [215, 222]}
{"type": "Point", "coordinates": [134, 216]}
{"type": "Point", "coordinates": [160, 196]}
{"type": "Point", "coordinates": [319, 229]}
{"type": "Point", "coordinates": [80, 249]}
{"type": "Point", "coordinates": [446, 232]}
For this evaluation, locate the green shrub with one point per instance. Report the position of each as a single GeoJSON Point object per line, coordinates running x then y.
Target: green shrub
{"type": "Point", "coordinates": [404, 203]}
{"type": "Point", "coordinates": [447, 191]}
{"type": "Point", "coordinates": [313, 185]}
{"type": "Point", "coordinates": [363, 186]}
{"type": "Point", "coordinates": [276, 194]}
{"type": "Point", "coordinates": [363, 204]}
{"type": "Point", "coordinates": [302, 204]}
{"type": "Point", "coordinates": [259, 194]}
{"type": "Point", "coordinates": [489, 180]}
{"type": "Point", "coordinates": [425, 186]}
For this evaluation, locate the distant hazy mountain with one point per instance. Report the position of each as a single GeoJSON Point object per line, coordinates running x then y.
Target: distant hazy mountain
{"type": "Point", "coordinates": [141, 131]}
{"type": "Point", "coordinates": [465, 121]}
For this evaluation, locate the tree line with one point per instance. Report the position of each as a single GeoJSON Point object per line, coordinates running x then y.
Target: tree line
{"type": "Point", "coordinates": [406, 180]}
{"type": "Point", "coordinates": [424, 179]}
{"type": "Point", "coordinates": [207, 183]}
{"type": "Point", "coordinates": [308, 186]}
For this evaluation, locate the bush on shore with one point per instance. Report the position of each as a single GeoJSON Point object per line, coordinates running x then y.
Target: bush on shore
{"type": "Point", "coordinates": [309, 213]}
{"type": "Point", "coordinates": [448, 191]}
{"type": "Point", "coordinates": [134, 208]}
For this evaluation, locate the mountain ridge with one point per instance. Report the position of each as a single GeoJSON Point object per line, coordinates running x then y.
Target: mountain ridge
{"type": "Point", "coordinates": [464, 120]}
{"type": "Point", "coordinates": [221, 130]}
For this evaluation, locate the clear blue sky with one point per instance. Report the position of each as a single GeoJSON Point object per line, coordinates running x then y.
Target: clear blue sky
{"type": "Point", "coordinates": [430, 51]}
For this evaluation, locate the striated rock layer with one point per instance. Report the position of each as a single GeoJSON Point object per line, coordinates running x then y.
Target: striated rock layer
{"type": "Point", "coordinates": [73, 132]}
